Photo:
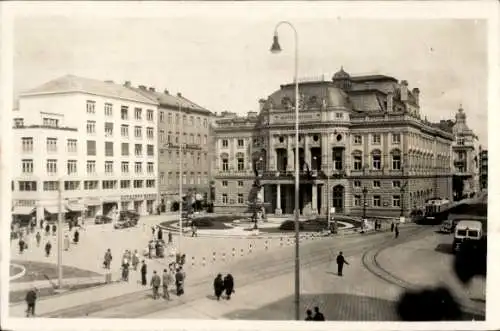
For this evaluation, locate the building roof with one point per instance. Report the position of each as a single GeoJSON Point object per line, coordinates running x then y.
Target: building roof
{"type": "Point", "coordinates": [71, 83]}
{"type": "Point", "coordinates": [311, 93]}
{"type": "Point", "coordinates": [170, 100]}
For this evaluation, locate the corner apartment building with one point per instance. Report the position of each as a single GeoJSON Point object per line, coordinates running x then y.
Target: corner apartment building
{"type": "Point", "coordinates": [95, 140]}
{"type": "Point", "coordinates": [362, 144]}
{"type": "Point", "coordinates": [483, 169]}
{"type": "Point", "coordinates": [181, 122]}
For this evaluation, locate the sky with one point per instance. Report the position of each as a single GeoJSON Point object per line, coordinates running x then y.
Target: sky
{"type": "Point", "coordinates": [223, 62]}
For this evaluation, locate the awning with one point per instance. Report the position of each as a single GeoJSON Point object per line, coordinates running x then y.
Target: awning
{"type": "Point", "coordinates": [75, 207]}
{"type": "Point", "coordinates": [23, 210]}
{"type": "Point", "coordinates": [54, 210]}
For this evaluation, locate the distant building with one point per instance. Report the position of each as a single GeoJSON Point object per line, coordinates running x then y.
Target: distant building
{"type": "Point", "coordinates": [181, 122]}
{"type": "Point", "coordinates": [483, 169]}
{"type": "Point", "coordinates": [362, 143]}
{"type": "Point", "coordinates": [96, 139]}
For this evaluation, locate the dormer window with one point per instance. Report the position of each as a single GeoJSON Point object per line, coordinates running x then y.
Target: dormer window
{"type": "Point", "coordinates": [52, 122]}
{"type": "Point", "coordinates": [286, 102]}
{"type": "Point", "coordinates": [18, 122]}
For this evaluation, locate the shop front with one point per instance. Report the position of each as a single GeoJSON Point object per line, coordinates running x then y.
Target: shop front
{"type": "Point", "coordinates": [93, 207]}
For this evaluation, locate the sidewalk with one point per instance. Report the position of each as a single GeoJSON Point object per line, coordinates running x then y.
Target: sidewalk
{"type": "Point", "coordinates": [40, 284]}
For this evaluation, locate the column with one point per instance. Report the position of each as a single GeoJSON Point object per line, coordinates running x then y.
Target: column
{"type": "Point", "coordinates": [261, 194]}
{"type": "Point", "coordinates": [307, 151]}
{"type": "Point", "coordinates": [314, 199]}
{"type": "Point", "coordinates": [291, 160]}
{"type": "Point", "coordinates": [278, 200]}
{"type": "Point", "coordinates": [324, 152]}
{"type": "Point", "coordinates": [273, 166]}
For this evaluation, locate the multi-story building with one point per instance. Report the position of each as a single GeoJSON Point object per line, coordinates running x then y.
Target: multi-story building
{"type": "Point", "coordinates": [182, 124]}
{"type": "Point", "coordinates": [483, 169]}
{"type": "Point", "coordinates": [95, 140]}
{"type": "Point", "coordinates": [362, 144]}
{"type": "Point", "coordinates": [465, 158]}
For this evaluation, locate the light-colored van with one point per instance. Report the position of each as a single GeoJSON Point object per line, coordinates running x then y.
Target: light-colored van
{"type": "Point", "coordinates": [467, 230]}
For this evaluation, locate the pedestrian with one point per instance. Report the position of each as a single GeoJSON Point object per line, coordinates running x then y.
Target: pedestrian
{"type": "Point", "coordinates": [218, 286]}
{"type": "Point", "coordinates": [41, 223]}
{"type": "Point", "coordinates": [340, 263]}
{"type": "Point", "coordinates": [135, 259]}
{"type": "Point", "coordinates": [169, 237]}
{"type": "Point", "coordinates": [70, 223]}
{"type": "Point", "coordinates": [144, 272]}
{"type": "Point", "coordinates": [38, 238]}
{"type": "Point", "coordinates": [76, 236]}
{"type": "Point", "coordinates": [318, 316]}
{"type": "Point", "coordinates": [392, 227]}
{"type": "Point", "coordinates": [125, 270]}
{"type": "Point", "coordinates": [396, 231]}
{"type": "Point", "coordinates": [153, 230]}
{"type": "Point", "coordinates": [31, 301]}
{"type": "Point", "coordinates": [47, 229]}
{"type": "Point", "coordinates": [309, 315]}
{"type": "Point", "coordinates": [107, 259]}
{"type": "Point", "coordinates": [229, 285]}
{"type": "Point", "coordinates": [179, 281]}
{"type": "Point", "coordinates": [160, 234]}
{"type": "Point", "coordinates": [167, 280]}
{"type": "Point", "coordinates": [151, 248]}
{"type": "Point", "coordinates": [155, 283]}
{"type": "Point", "coordinates": [54, 229]}
{"type": "Point", "coordinates": [66, 242]}
{"type": "Point", "coordinates": [22, 245]}
{"type": "Point", "coordinates": [194, 231]}
{"type": "Point", "coordinates": [48, 247]}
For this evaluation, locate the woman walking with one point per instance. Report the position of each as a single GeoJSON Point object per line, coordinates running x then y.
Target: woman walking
{"type": "Point", "coordinates": [218, 286]}
{"type": "Point", "coordinates": [229, 285]}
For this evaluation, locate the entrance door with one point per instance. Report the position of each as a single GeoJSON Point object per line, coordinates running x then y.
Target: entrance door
{"type": "Point", "coordinates": [338, 199]}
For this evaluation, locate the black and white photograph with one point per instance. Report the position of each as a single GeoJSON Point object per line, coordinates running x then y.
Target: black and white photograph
{"type": "Point", "coordinates": [167, 163]}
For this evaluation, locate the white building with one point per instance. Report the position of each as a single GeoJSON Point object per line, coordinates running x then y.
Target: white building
{"type": "Point", "coordinates": [98, 138]}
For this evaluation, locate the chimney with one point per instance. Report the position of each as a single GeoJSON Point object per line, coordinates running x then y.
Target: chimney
{"type": "Point", "coordinates": [152, 89]}
{"type": "Point", "coordinates": [165, 91]}
{"type": "Point", "coordinates": [142, 87]}
{"type": "Point", "coordinates": [416, 94]}
{"type": "Point", "coordinates": [404, 90]}
{"type": "Point", "coordinates": [127, 83]}
{"type": "Point", "coordinates": [390, 101]}
{"type": "Point", "coordinates": [179, 94]}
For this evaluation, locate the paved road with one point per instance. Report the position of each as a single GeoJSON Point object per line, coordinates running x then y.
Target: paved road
{"type": "Point", "coordinates": [251, 271]}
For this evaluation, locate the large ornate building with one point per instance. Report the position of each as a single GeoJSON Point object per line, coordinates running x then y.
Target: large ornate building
{"type": "Point", "coordinates": [362, 142]}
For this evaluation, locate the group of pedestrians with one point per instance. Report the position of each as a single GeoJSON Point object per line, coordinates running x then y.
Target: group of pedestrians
{"type": "Point", "coordinates": [318, 316]}
{"type": "Point", "coordinates": [395, 229]}
{"type": "Point", "coordinates": [222, 285]}
{"type": "Point", "coordinates": [169, 277]}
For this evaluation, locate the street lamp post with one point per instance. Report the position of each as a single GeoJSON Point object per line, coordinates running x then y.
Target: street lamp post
{"type": "Point", "coordinates": [365, 191]}
{"type": "Point", "coordinates": [60, 235]}
{"type": "Point", "coordinates": [275, 48]}
{"type": "Point", "coordinates": [181, 177]}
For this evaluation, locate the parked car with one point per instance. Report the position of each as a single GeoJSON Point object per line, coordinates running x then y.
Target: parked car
{"type": "Point", "coordinates": [447, 226]}
{"type": "Point", "coordinates": [127, 219]}
{"type": "Point", "coordinates": [101, 219]}
{"type": "Point", "coordinates": [129, 214]}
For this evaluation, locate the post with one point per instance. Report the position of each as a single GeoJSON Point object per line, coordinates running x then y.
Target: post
{"type": "Point", "coordinates": [181, 177]}
{"type": "Point", "coordinates": [402, 192]}
{"type": "Point", "coordinates": [60, 236]}
{"type": "Point", "coordinates": [364, 202]}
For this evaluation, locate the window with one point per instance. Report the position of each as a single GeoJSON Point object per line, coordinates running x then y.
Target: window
{"type": "Point", "coordinates": [337, 159]}
{"type": "Point", "coordinates": [396, 138]}
{"type": "Point", "coordinates": [357, 183]}
{"type": "Point", "coordinates": [169, 118]}
{"type": "Point", "coordinates": [51, 145]}
{"type": "Point", "coordinates": [376, 201]}
{"type": "Point", "coordinates": [225, 143]}
{"type": "Point", "coordinates": [151, 167]}
{"type": "Point", "coordinates": [71, 144]}
{"type": "Point", "coordinates": [191, 178]}
{"type": "Point", "coordinates": [150, 150]}
{"type": "Point", "coordinates": [71, 165]}
{"type": "Point", "coordinates": [191, 120]}
{"type": "Point", "coordinates": [90, 107]}
{"type": "Point", "coordinates": [51, 186]}
{"type": "Point", "coordinates": [240, 183]}
{"type": "Point", "coordinates": [27, 166]}
{"type": "Point", "coordinates": [396, 160]}
{"type": "Point", "coordinates": [108, 167]}
{"type": "Point", "coordinates": [184, 120]}
{"type": "Point", "coordinates": [124, 183]}
{"type": "Point", "coordinates": [150, 183]}
{"type": "Point", "coordinates": [358, 139]}
{"type": "Point", "coordinates": [124, 113]}
{"type": "Point", "coordinates": [51, 166]}
{"type": "Point", "coordinates": [91, 148]}
{"type": "Point", "coordinates": [90, 167]}
{"type": "Point", "coordinates": [108, 148]}
{"type": "Point", "coordinates": [461, 155]}
{"type": "Point", "coordinates": [124, 130]}
{"type": "Point", "coordinates": [460, 141]}
{"type": "Point", "coordinates": [376, 139]}
{"type": "Point", "coordinates": [138, 167]}
{"type": "Point", "coordinates": [396, 201]}
{"type": "Point", "coordinates": [357, 200]}
{"type": "Point", "coordinates": [108, 129]}
{"type": "Point", "coordinates": [376, 160]}
{"type": "Point", "coordinates": [198, 121]}
{"type": "Point", "coordinates": [396, 183]}
{"type": "Point", "coordinates": [162, 136]}
{"type": "Point", "coordinates": [138, 132]}
{"type": "Point", "coordinates": [125, 168]}
{"type": "Point", "coordinates": [27, 186]}
{"type": "Point", "coordinates": [27, 144]}
{"type": "Point", "coordinates": [125, 149]}
{"type": "Point", "coordinates": [177, 117]}
{"type": "Point", "coordinates": [108, 109]}
{"type": "Point", "coordinates": [177, 137]}
{"type": "Point", "coordinates": [184, 138]}
{"type": "Point", "coordinates": [90, 184]}
{"type": "Point", "coordinates": [162, 178]}
{"type": "Point", "coordinates": [241, 162]}
{"type": "Point", "coordinates": [150, 133]}
{"type": "Point", "coordinates": [376, 183]}
{"type": "Point", "coordinates": [204, 139]}
{"type": "Point", "coordinates": [224, 198]}
{"type": "Point", "coordinates": [138, 113]}
{"type": "Point", "coordinates": [149, 115]}
{"type": "Point", "coordinates": [358, 161]}
{"type": "Point", "coordinates": [90, 127]}
{"type": "Point", "coordinates": [191, 138]}
{"type": "Point", "coordinates": [205, 123]}
{"type": "Point", "coordinates": [50, 122]}
{"type": "Point", "coordinates": [240, 198]}
{"type": "Point", "coordinates": [225, 164]}
{"type": "Point", "coordinates": [339, 115]}
{"type": "Point", "coordinates": [224, 183]}
{"type": "Point", "coordinates": [18, 122]}
{"type": "Point", "coordinates": [138, 183]}
{"type": "Point", "coordinates": [241, 143]}
{"type": "Point", "coordinates": [162, 116]}
{"type": "Point", "coordinates": [71, 185]}
{"type": "Point", "coordinates": [109, 184]}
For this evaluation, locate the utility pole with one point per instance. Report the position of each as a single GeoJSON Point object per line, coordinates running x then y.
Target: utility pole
{"type": "Point", "coordinates": [60, 235]}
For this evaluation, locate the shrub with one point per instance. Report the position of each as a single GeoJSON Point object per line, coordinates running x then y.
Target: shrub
{"type": "Point", "coordinates": [289, 225]}
{"type": "Point", "coordinates": [203, 222]}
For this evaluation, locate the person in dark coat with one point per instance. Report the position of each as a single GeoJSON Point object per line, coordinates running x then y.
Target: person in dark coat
{"type": "Point", "coordinates": [31, 301]}
{"type": "Point", "coordinates": [76, 237]}
{"type": "Point", "coordinates": [54, 229]}
{"type": "Point", "coordinates": [38, 238]}
{"type": "Point", "coordinates": [41, 224]}
{"type": "Point", "coordinates": [160, 234]}
{"type": "Point", "coordinates": [318, 316]}
{"type": "Point", "coordinates": [47, 230]}
{"type": "Point", "coordinates": [229, 285]}
{"type": "Point", "coordinates": [107, 259]}
{"type": "Point", "coordinates": [153, 230]}
{"type": "Point", "coordinates": [169, 237]}
{"type": "Point", "coordinates": [22, 245]}
{"type": "Point", "coordinates": [309, 315]}
{"type": "Point", "coordinates": [179, 281]}
{"type": "Point", "coordinates": [218, 286]}
{"type": "Point", "coordinates": [392, 227]}
{"type": "Point", "coordinates": [48, 247]}
{"type": "Point", "coordinates": [340, 263]}
{"type": "Point", "coordinates": [70, 223]}
{"type": "Point", "coordinates": [155, 284]}
{"type": "Point", "coordinates": [396, 231]}
{"type": "Point", "coordinates": [144, 272]}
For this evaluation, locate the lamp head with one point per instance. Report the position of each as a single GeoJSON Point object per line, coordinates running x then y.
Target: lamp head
{"type": "Point", "coordinates": [275, 48]}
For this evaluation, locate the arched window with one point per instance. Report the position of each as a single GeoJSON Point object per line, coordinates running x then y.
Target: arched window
{"type": "Point", "coordinates": [396, 159]}
{"type": "Point", "coordinates": [225, 161]}
{"type": "Point", "coordinates": [357, 157]}
{"type": "Point", "coordinates": [376, 159]}
{"type": "Point", "coordinates": [240, 159]}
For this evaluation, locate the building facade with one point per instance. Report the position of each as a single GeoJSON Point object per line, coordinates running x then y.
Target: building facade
{"type": "Point", "coordinates": [95, 140]}
{"type": "Point", "coordinates": [483, 169]}
{"type": "Point", "coordinates": [183, 127]}
{"type": "Point", "coordinates": [363, 147]}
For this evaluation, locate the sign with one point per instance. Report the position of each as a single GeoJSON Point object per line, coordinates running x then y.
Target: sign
{"type": "Point", "coordinates": [332, 210]}
{"type": "Point", "coordinates": [402, 219]}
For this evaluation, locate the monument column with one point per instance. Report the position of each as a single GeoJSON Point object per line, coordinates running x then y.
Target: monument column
{"type": "Point", "coordinates": [278, 199]}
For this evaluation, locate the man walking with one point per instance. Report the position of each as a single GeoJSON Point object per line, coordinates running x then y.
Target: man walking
{"type": "Point", "coordinates": [318, 316]}
{"type": "Point", "coordinates": [30, 301]}
{"type": "Point", "coordinates": [179, 281]}
{"type": "Point", "coordinates": [38, 238]}
{"type": "Point", "coordinates": [155, 283]}
{"type": "Point", "coordinates": [396, 231]}
{"type": "Point", "coordinates": [340, 263]}
{"type": "Point", "coordinates": [169, 237]}
{"type": "Point", "coordinates": [144, 271]}
{"type": "Point", "coordinates": [167, 280]}
{"type": "Point", "coordinates": [107, 259]}
{"type": "Point", "coordinates": [48, 247]}
{"type": "Point", "coordinates": [309, 315]}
